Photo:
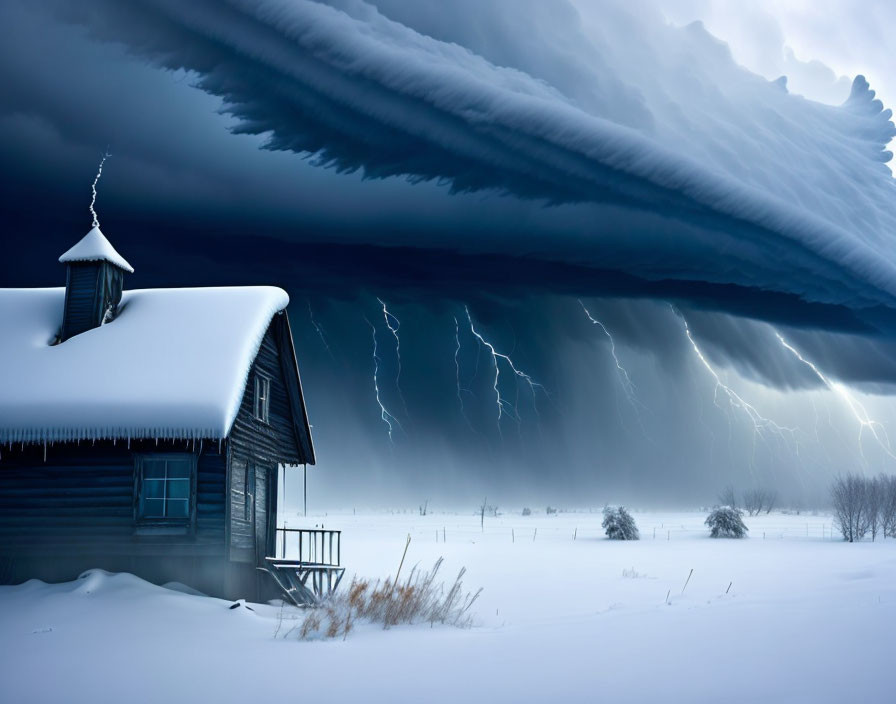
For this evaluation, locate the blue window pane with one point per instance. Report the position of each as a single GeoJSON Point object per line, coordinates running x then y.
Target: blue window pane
{"type": "Point", "coordinates": [178, 508]}
{"type": "Point", "coordinates": [153, 469]}
{"type": "Point", "coordinates": [179, 469]}
{"type": "Point", "coordinates": [154, 488]}
{"type": "Point", "coordinates": [179, 489]}
{"type": "Point", "coordinates": [153, 508]}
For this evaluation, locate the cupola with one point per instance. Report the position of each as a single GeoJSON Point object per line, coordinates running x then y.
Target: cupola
{"type": "Point", "coordinates": [94, 278]}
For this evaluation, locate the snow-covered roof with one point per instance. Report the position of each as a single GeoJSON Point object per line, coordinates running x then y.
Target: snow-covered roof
{"type": "Point", "coordinates": [94, 247]}
{"type": "Point", "coordinates": [172, 364]}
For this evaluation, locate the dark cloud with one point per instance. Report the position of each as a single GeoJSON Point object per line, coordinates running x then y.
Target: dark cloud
{"type": "Point", "coordinates": [472, 168]}
{"type": "Point", "coordinates": [357, 90]}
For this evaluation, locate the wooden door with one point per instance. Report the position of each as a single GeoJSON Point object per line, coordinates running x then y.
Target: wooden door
{"type": "Point", "coordinates": [265, 518]}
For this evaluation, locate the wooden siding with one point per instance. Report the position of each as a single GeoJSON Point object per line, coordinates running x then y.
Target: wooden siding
{"type": "Point", "coordinates": [275, 441]}
{"type": "Point", "coordinates": [81, 501]}
{"type": "Point", "coordinates": [256, 448]}
{"type": "Point", "coordinates": [91, 289]}
{"type": "Point", "coordinates": [80, 298]}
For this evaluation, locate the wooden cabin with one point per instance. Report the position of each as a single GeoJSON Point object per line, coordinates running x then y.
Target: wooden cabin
{"type": "Point", "coordinates": [143, 431]}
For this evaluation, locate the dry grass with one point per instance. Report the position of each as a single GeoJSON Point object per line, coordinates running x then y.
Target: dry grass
{"type": "Point", "coordinates": [418, 599]}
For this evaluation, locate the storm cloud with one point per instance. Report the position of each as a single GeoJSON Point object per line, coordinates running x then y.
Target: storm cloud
{"type": "Point", "coordinates": [746, 181]}
{"type": "Point", "coordinates": [506, 158]}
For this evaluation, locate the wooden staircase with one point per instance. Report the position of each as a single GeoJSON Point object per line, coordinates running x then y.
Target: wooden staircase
{"type": "Point", "coordinates": [314, 574]}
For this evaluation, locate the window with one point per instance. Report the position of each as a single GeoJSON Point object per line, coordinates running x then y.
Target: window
{"type": "Point", "coordinates": [165, 488]}
{"type": "Point", "coordinates": [262, 397]}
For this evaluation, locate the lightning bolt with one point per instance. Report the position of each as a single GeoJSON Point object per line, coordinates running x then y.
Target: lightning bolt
{"type": "Point", "coordinates": [877, 430]}
{"type": "Point", "coordinates": [627, 386]}
{"type": "Point", "coordinates": [320, 332]}
{"type": "Point", "coordinates": [505, 406]}
{"type": "Point", "coordinates": [390, 318]}
{"type": "Point", "coordinates": [387, 417]}
{"type": "Point", "coordinates": [96, 180]}
{"type": "Point", "coordinates": [460, 389]}
{"type": "Point", "coordinates": [759, 422]}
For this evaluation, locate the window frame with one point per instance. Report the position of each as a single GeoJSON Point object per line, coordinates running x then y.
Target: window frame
{"type": "Point", "coordinates": [261, 402]}
{"type": "Point", "coordinates": [179, 525]}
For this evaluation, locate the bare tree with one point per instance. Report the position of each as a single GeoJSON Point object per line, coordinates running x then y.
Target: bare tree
{"type": "Point", "coordinates": [753, 501]}
{"type": "Point", "coordinates": [769, 499]}
{"type": "Point", "coordinates": [888, 505]}
{"type": "Point", "coordinates": [874, 500]}
{"type": "Point", "coordinates": [848, 496]}
{"type": "Point", "coordinates": [727, 497]}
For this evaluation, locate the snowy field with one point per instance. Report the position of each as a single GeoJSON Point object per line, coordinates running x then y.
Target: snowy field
{"type": "Point", "coordinates": [807, 618]}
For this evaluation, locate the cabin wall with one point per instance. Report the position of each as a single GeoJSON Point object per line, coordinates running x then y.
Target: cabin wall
{"type": "Point", "coordinates": [75, 511]}
{"type": "Point", "coordinates": [256, 449]}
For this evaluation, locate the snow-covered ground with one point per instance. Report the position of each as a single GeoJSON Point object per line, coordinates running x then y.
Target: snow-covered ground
{"type": "Point", "coordinates": [806, 619]}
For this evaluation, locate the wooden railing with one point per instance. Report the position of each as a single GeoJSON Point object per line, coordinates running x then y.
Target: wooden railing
{"type": "Point", "coordinates": [310, 546]}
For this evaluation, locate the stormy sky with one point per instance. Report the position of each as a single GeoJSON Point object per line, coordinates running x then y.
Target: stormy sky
{"type": "Point", "coordinates": [622, 258]}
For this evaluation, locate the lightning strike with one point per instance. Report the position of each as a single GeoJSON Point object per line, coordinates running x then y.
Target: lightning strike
{"type": "Point", "coordinates": [319, 329]}
{"type": "Point", "coordinates": [390, 319]}
{"type": "Point", "coordinates": [387, 417]}
{"type": "Point", "coordinates": [877, 430]}
{"type": "Point", "coordinates": [96, 180]}
{"type": "Point", "coordinates": [460, 389]}
{"type": "Point", "coordinates": [504, 406]}
{"type": "Point", "coordinates": [627, 386]}
{"type": "Point", "coordinates": [760, 422]}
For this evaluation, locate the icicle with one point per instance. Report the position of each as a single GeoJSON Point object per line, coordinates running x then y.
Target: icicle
{"type": "Point", "coordinates": [129, 441]}
{"type": "Point", "coordinates": [45, 450]}
{"type": "Point", "coordinates": [219, 446]}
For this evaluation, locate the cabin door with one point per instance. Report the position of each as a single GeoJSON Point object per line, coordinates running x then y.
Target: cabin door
{"type": "Point", "coordinates": [265, 511]}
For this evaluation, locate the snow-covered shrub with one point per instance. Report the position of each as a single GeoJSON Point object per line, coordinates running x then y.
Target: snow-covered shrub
{"type": "Point", "coordinates": [726, 522]}
{"type": "Point", "coordinates": [419, 599]}
{"type": "Point", "coordinates": [527, 511]}
{"type": "Point", "coordinates": [550, 511]}
{"type": "Point", "coordinates": [619, 524]}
